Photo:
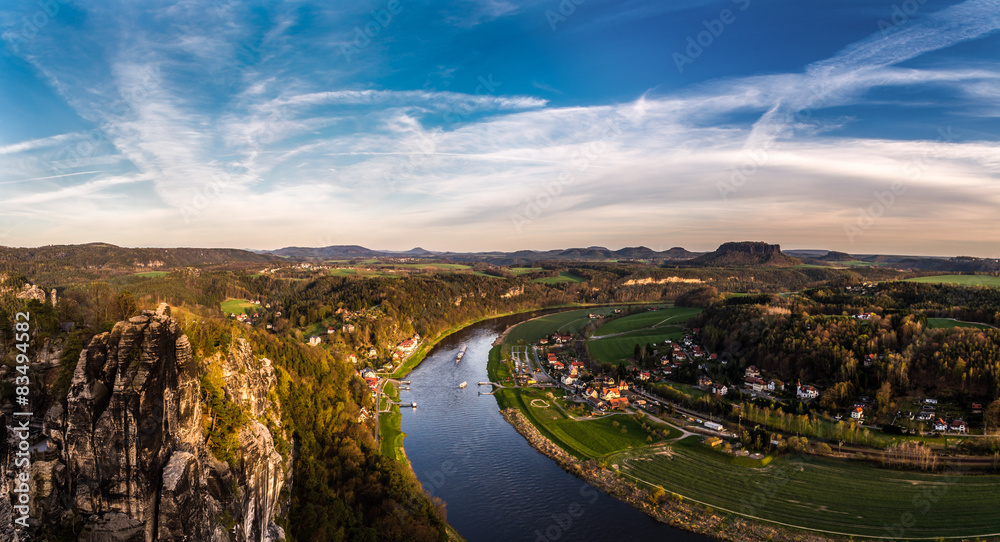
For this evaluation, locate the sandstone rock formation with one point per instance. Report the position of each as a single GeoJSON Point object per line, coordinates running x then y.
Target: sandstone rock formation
{"type": "Point", "coordinates": [129, 459]}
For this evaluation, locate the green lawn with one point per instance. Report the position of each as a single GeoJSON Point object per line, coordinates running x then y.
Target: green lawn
{"type": "Point", "coordinates": [237, 306]}
{"type": "Point", "coordinates": [392, 436]}
{"type": "Point", "coordinates": [153, 274]}
{"type": "Point", "coordinates": [524, 270]}
{"type": "Point", "coordinates": [935, 323]}
{"type": "Point", "coordinates": [585, 439]}
{"type": "Point", "coordinates": [963, 280]}
{"type": "Point", "coordinates": [565, 322]}
{"type": "Point", "coordinates": [823, 494]}
{"type": "Point", "coordinates": [564, 276]}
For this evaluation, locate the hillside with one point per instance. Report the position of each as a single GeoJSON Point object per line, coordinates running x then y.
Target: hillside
{"type": "Point", "coordinates": [103, 255]}
{"type": "Point", "coordinates": [746, 254]}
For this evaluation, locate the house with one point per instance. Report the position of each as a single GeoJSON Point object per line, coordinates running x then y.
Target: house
{"type": "Point", "coordinates": [704, 381]}
{"type": "Point", "coordinates": [372, 352]}
{"type": "Point", "coordinates": [940, 425]}
{"type": "Point", "coordinates": [775, 385]}
{"type": "Point", "coordinates": [622, 385]}
{"type": "Point", "coordinates": [755, 384]}
{"type": "Point", "coordinates": [618, 402]}
{"type": "Point", "coordinates": [352, 358]}
{"type": "Point", "coordinates": [977, 408]}
{"type": "Point", "coordinates": [568, 380]}
{"type": "Point", "coordinates": [330, 330]}
{"type": "Point", "coordinates": [552, 358]}
{"type": "Point", "coordinates": [367, 372]}
{"type": "Point", "coordinates": [315, 340]}
{"type": "Point", "coordinates": [719, 389]}
{"type": "Point", "coordinates": [863, 316]}
{"type": "Point", "coordinates": [596, 403]}
{"type": "Point", "coordinates": [713, 441]}
{"type": "Point", "coordinates": [348, 328]}
{"type": "Point", "coordinates": [930, 401]}
{"type": "Point", "coordinates": [558, 365]}
{"type": "Point", "coordinates": [409, 345]}
{"type": "Point", "coordinates": [644, 376]}
{"type": "Point", "coordinates": [611, 393]}
{"type": "Point", "coordinates": [577, 364]}
{"type": "Point", "coordinates": [713, 357]}
{"type": "Point", "coordinates": [924, 416]}
{"type": "Point", "coordinates": [870, 360]}
{"type": "Point", "coordinates": [543, 341]}
{"type": "Point", "coordinates": [957, 426]}
{"type": "Point", "coordinates": [806, 392]}
{"type": "Point", "coordinates": [363, 415]}
{"type": "Point", "coordinates": [751, 372]}
{"type": "Point", "coordinates": [858, 412]}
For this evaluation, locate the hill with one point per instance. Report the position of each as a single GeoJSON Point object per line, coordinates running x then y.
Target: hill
{"type": "Point", "coordinates": [107, 256]}
{"type": "Point", "coordinates": [746, 254]}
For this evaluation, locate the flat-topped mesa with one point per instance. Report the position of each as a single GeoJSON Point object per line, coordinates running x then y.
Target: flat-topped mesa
{"type": "Point", "coordinates": [133, 459]}
{"type": "Point", "coordinates": [746, 253]}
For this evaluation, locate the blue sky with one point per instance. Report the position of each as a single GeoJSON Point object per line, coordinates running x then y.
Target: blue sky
{"type": "Point", "coordinates": [863, 126]}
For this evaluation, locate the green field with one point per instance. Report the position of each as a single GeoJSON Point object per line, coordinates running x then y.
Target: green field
{"type": "Point", "coordinates": [585, 439]}
{"type": "Point", "coordinates": [963, 280]}
{"type": "Point", "coordinates": [637, 329]}
{"type": "Point", "coordinates": [564, 276]}
{"type": "Point", "coordinates": [936, 323]}
{"type": "Point", "coordinates": [237, 306]}
{"type": "Point", "coordinates": [823, 494]}
{"type": "Point", "coordinates": [544, 326]}
{"type": "Point", "coordinates": [524, 270]}
{"type": "Point", "coordinates": [153, 274]}
{"type": "Point", "coordinates": [672, 316]}
{"type": "Point", "coordinates": [389, 425]}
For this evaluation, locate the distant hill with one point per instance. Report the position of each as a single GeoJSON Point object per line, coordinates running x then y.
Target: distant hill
{"type": "Point", "coordinates": [834, 256]}
{"type": "Point", "coordinates": [107, 256]}
{"type": "Point", "coordinates": [745, 254]}
{"type": "Point", "coordinates": [520, 257]}
{"type": "Point", "coordinates": [335, 252]}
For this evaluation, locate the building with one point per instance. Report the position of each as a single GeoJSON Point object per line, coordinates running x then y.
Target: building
{"type": "Point", "coordinates": [940, 425]}
{"type": "Point", "coordinates": [315, 340]}
{"type": "Point", "coordinates": [704, 381]}
{"type": "Point", "coordinates": [957, 426]}
{"type": "Point", "coordinates": [858, 412]}
{"type": "Point", "coordinates": [806, 392]}
{"type": "Point", "coordinates": [775, 385]}
{"type": "Point", "coordinates": [751, 372]}
{"type": "Point", "coordinates": [719, 389]}
{"type": "Point", "coordinates": [618, 402]}
{"type": "Point", "coordinates": [755, 384]}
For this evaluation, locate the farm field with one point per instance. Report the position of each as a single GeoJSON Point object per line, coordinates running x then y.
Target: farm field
{"type": "Point", "coordinates": [611, 350]}
{"type": "Point", "coordinates": [948, 323]}
{"type": "Point", "coordinates": [963, 280]}
{"type": "Point", "coordinates": [621, 335]}
{"type": "Point", "coordinates": [153, 274]}
{"type": "Point", "coordinates": [663, 317]}
{"type": "Point", "coordinates": [564, 276]}
{"type": "Point", "coordinates": [524, 270]}
{"type": "Point", "coordinates": [823, 494]}
{"type": "Point", "coordinates": [236, 306]}
{"type": "Point", "coordinates": [565, 322]}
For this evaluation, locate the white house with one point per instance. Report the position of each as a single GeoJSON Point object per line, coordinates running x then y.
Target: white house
{"type": "Point", "coordinates": [806, 392]}
{"type": "Point", "coordinates": [315, 340]}
{"type": "Point", "coordinates": [940, 425]}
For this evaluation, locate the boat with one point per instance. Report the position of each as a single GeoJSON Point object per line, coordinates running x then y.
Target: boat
{"type": "Point", "coordinates": [461, 353]}
{"type": "Point", "coordinates": [463, 385]}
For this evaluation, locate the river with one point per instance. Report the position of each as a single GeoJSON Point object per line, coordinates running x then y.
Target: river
{"type": "Point", "coordinates": [496, 486]}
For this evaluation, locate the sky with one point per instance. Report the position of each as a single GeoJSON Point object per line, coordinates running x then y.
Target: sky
{"type": "Point", "coordinates": [462, 125]}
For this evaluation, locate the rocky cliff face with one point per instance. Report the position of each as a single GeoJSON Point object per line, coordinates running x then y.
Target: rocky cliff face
{"type": "Point", "coordinates": [746, 253]}
{"type": "Point", "coordinates": [131, 462]}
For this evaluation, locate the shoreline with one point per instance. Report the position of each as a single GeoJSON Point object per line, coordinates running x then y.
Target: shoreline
{"type": "Point", "coordinates": [673, 510]}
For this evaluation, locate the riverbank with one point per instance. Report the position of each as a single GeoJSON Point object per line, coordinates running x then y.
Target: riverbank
{"type": "Point", "coordinates": [666, 508]}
